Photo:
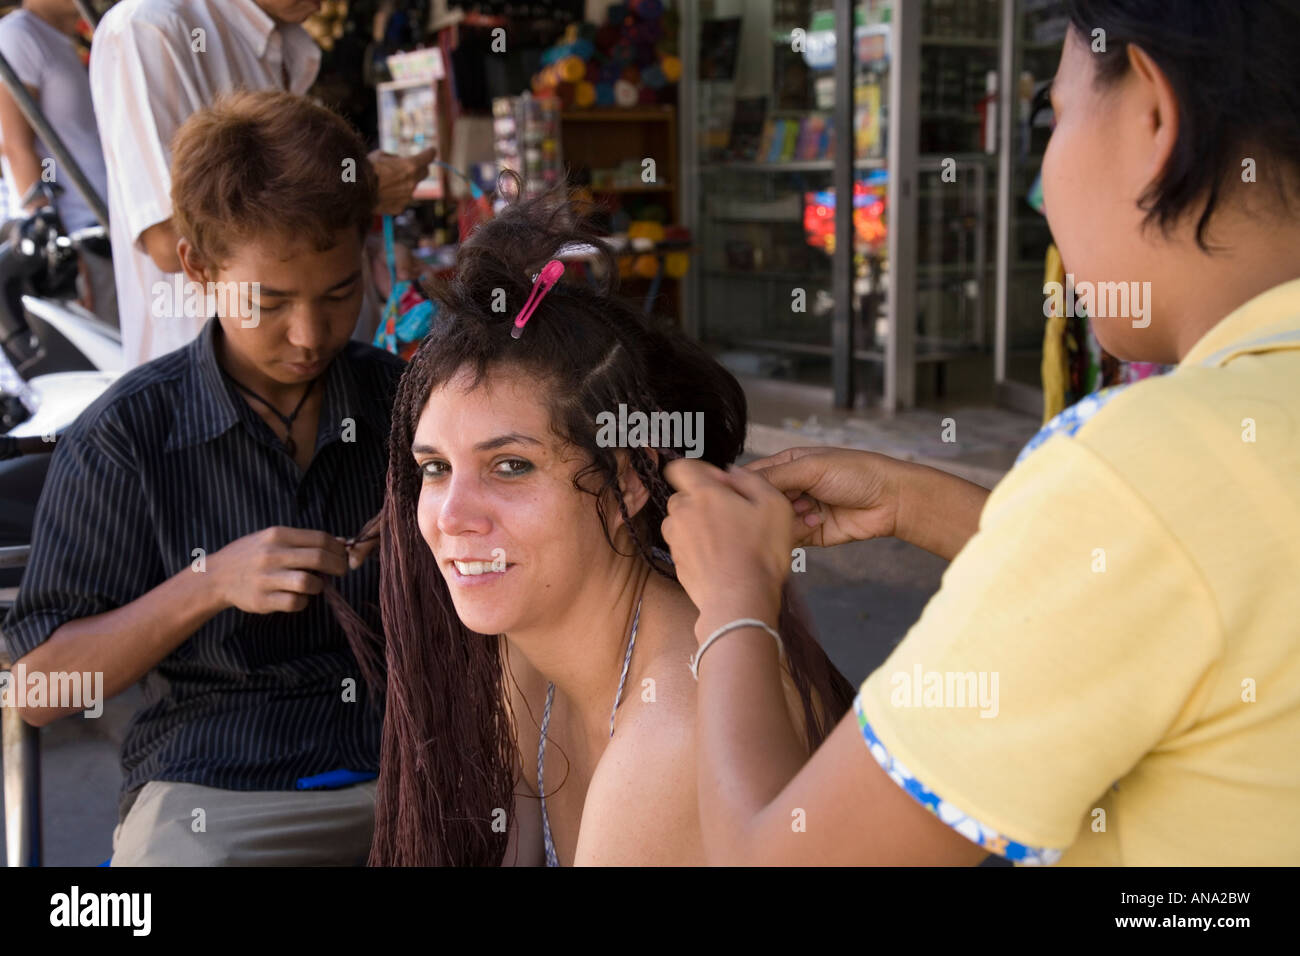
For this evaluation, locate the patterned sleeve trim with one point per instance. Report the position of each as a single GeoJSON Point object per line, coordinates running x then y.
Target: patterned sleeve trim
{"type": "Point", "coordinates": [1072, 419]}
{"type": "Point", "coordinates": [967, 826]}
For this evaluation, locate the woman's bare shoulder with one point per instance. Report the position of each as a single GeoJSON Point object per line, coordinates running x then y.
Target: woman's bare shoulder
{"type": "Point", "coordinates": [664, 674]}
{"type": "Point", "coordinates": [641, 806]}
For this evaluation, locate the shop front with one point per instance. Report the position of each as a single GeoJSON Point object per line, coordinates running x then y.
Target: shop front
{"type": "Point", "coordinates": [928, 285]}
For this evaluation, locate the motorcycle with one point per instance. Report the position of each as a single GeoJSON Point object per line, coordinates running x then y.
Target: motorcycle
{"type": "Point", "coordinates": [56, 358]}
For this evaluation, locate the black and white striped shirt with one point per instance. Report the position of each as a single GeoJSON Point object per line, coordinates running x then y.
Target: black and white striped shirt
{"type": "Point", "coordinates": [171, 459]}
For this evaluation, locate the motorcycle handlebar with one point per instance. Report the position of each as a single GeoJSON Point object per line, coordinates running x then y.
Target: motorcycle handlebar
{"type": "Point", "coordinates": [89, 234]}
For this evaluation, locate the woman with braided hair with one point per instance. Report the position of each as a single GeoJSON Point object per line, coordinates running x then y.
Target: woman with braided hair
{"type": "Point", "coordinates": [540, 702]}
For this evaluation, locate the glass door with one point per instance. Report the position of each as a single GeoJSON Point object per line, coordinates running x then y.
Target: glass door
{"type": "Point", "coordinates": [937, 325]}
{"type": "Point", "coordinates": [937, 295]}
{"type": "Point", "coordinates": [1034, 34]}
{"type": "Point", "coordinates": [956, 198]}
{"type": "Point", "coordinates": [767, 141]}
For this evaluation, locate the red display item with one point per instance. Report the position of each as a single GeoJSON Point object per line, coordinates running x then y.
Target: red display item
{"type": "Point", "coordinates": [868, 216]}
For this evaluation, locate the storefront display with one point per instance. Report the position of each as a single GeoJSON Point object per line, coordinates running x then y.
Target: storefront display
{"type": "Point", "coordinates": [526, 136]}
{"type": "Point", "coordinates": [597, 105]}
{"type": "Point", "coordinates": [764, 101]}
{"type": "Point", "coordinates": [408, 111]}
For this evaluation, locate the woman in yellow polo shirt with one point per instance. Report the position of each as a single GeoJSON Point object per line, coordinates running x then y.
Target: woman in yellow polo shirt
{"type": "Point", "coordinates": [1110, 671]}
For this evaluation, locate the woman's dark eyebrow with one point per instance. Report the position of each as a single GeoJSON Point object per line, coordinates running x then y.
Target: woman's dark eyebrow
{"type": "Point", "coordinates": [514, 438]}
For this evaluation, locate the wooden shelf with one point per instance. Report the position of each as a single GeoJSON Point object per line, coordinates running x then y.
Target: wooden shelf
{"type": "Point", "coordinates": [605, 139]}
{"type": "Point", "coordinates": [632, 114]}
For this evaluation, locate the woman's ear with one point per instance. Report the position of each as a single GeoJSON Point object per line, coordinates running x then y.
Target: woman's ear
{"type": "Point", "coordinates": [634, 492]}
{"type": "Point", "coordinates": [1159, 105]}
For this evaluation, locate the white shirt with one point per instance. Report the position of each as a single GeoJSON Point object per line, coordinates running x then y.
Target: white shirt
{"type": "Point", "coordinates": [150, 68]}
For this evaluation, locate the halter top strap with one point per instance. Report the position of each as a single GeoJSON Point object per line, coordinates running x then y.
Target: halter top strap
{"type": "Point", "coordinates": [551, 859]}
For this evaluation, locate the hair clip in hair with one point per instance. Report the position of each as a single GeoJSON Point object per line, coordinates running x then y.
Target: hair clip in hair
{"type": "Point", "coordinates": [542, 283]}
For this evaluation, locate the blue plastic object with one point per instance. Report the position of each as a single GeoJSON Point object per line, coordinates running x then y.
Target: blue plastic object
{"type": "Point", "coordinates": [334, 779]}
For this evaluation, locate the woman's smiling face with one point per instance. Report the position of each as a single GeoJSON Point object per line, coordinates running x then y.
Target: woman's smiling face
{"type": "Point", "coordinates": [512, 536]}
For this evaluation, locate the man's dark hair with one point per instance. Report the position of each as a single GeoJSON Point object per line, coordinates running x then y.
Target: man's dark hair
{"type": "Point", "coordinates": [1234, 66]}
{"type": "Point", "coordinates": [268, 165]}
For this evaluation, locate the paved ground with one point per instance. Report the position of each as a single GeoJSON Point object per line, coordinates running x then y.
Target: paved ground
{"type": "Point", "coordinates": [79, 782]}
{"type": "Point", "coordinates": [979, 442]}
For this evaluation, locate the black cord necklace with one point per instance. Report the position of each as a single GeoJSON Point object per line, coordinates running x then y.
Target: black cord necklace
{"type": "Point", "coordinates": [287, 420]}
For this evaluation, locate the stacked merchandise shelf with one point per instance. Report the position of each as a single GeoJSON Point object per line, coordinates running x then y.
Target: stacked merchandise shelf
{"type": "Point", "coordinates": [408, 112]}
{"type": "Point", "coordinates": [526, 136]}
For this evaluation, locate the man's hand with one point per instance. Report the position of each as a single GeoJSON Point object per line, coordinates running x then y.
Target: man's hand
{"type": "Point", "coordinates": [729, 532]}
{"type": "Point", "coordinates": [398, 177]}
{"type": "Point", "coordinates": [277, 569]}
{"type": "Point", "coordinates": [359, 549]}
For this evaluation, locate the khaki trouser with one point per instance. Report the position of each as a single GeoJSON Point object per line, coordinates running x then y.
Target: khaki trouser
{"type": "Point", "coordinates": [246, 827]}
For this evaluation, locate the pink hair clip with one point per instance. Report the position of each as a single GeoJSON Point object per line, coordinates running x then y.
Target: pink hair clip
{"type": "Point", "coordinates": [542, 283]}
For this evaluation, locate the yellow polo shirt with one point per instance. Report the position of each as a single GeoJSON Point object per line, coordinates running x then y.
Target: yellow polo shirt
{"type": "Point", "coordinates": [1110, 671]}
